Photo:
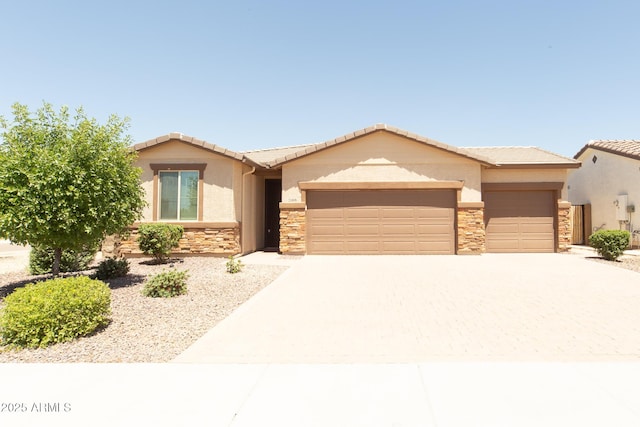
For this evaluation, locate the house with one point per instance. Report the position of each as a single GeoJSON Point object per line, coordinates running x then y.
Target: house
{"type": "Point", "coordinates": [379, 190]}
{"type": "Point", "coordinates": [607, 186]}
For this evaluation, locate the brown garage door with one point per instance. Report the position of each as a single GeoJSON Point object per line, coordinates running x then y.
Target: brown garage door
{"type": "Point", "coordinates": [519, 221]}
{"type": "Point", "coordinates": [380, 222]}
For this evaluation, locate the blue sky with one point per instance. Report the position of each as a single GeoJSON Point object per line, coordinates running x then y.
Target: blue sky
{"type": "Point", "coordinates": [255, 74]}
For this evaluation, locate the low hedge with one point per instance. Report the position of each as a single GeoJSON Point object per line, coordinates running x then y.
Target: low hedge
{"type": "Point", "coordinates": [54, 311]}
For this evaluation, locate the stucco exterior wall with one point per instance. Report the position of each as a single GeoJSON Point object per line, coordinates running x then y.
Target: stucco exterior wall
{"type": "Point", "coordinates": [526, 175]}
{"type": "Point", "coordinates": [381, 157]}
{"type": "Point", "coordinates": [601, 182]}
{"type": "Point", "coordinates": [221, 201]}
{"type": "Point", "coordinates": [252, 237]}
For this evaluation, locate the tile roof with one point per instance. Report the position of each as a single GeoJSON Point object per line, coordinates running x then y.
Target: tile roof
{"type": "Point", "coordinates": [623, 147]}
{"type": "Point", "coordinates": [523, 156]}
{"type": "Point", "coordinates": [188, 140]}
{"type": "Point", "coordinates": [279, 158]}
{"type": "Point", "coordinates": [276, 157]}
{"type": "Point", "coordinates": [268, 155]}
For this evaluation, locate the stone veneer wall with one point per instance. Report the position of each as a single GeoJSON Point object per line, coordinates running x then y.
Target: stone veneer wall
{"type": "Point", "coordinates": [221, 241]}
{"type": "Point", "coordinates": [292, 229]}
{"type": "Point", "coordinates": [564, 226]}
{"type": "Point", "coordinates": [471, 232]}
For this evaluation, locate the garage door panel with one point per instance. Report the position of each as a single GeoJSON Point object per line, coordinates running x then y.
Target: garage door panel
{"type": "Point", "coordinates": [328, 230]}
{"type": "Point", "coordinates": [398, 213]}
{"type": "Point", "coordinates": [519, 221]}
{"type": "Point", "coordinates": [398, 229]}
{"type": "Point", "coordinates": [362, 246]}
{"type": "Point", "coordinates": [329, 214]}
{"type": "Point", "coordinates": [327, 247]}
{"type": "Point", "coordinates": [432, 229]}
{"type": "Point", "coordinates": [361, 213]}
{"type": "Point", "coordinates": [540, 228]}
{"type": "Point", "coordinates": [361, 229]}
{"type": "Point", "coordinates": [371, 221]}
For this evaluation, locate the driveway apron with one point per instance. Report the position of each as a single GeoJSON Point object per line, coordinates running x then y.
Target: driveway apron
{"type": "Point", "coordinates": [412, 309]}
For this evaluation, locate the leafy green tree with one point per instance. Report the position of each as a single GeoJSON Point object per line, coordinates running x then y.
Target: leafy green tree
{"type": "Point", "coordinates": [66, 182]}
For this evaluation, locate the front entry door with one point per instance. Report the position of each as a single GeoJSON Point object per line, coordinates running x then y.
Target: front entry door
{"type": "Point", "coordinates": [272, 197]}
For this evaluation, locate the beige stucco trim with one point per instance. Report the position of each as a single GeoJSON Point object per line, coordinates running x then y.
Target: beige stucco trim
{"type": "Point", "coordinates": [470, 205]}
{"type": "Point", "coordinates": [387, 185]}
{"type": "Point", "coordinates": [536, 166]}
{"type": "Point", "coordinates": [517, 186]}
{"type": "Point", "coordinates": [197, 224]}
{"type": "Point", "coordinates": [284, 205]}
{"type": "Point", "coordinates": [406, 185]}
{"type": "Point", "coordinates": [564, 205]}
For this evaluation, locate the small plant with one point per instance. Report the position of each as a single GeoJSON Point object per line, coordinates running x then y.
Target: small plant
{"type": "Point", "coordinates": [166, 284]}
{"type": "Point", "coordinates": [54, 311]}
{"type": "Point", "coordinates": [610, 244]}
{"type": "Point", "coordinates": [234, 265]}
{"type": "Point", "coordinates": [41, 259]}
{"type": "Point", "coordinates": [112, 268]}
{"type": "Point", "coordinates": [158, 239]}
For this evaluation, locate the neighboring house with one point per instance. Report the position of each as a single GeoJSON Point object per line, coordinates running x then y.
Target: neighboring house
{"type": "Point", "coordinates": [608, 185]}
{"type": "Point", "coordinates": [376, 190]}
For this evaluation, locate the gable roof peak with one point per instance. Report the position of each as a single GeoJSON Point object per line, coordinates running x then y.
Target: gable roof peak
{"type": "Point", "coordinates": [309, 149]}
{"type": "Point", "coordinates": [188, 140]}
{"type": "Point", "coordinates": [622, 147]}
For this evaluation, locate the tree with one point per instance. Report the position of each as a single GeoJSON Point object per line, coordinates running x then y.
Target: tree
{"type": "Point", "coordinates": [66, 182]}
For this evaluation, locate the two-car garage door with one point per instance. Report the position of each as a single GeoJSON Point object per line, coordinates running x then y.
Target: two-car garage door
{"type": "Point", "coordinates": [381, 222]}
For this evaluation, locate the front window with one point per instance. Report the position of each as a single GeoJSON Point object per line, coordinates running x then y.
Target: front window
{"type": "Point", "coordinates": [179, 195]}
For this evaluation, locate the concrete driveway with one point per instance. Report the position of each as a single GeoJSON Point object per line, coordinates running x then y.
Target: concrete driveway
{"type": "Point", "coordinates": [412, 309]}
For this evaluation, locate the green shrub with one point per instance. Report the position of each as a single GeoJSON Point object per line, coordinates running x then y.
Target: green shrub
{"type": "Point", "coordinates": [112, 268]}
{"type": "Point", "coordinates": [41, 259]}
{"type": "Point", "coordinates": [610, 244]}
{"type": "Point", "coordinates": [158, 239]}
{"type": "Point", "coordinates": [54, 311]}
{"type": "Point", "coordinates": [166, 284]}
{"type": "Point", "coordinates": [234, 265]}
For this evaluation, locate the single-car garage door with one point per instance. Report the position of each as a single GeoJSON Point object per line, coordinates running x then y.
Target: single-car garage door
{"type": "Point", "coordinates": [519, 221]}
{"type": "Point", "coordinates": [381, 222]}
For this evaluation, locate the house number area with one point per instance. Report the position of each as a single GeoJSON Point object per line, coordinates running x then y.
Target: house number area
{"type": "Point", "coordinates": [35, 407]}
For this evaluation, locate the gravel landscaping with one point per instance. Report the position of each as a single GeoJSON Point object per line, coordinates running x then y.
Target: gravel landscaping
{"type": "Point", "coordinates": [630, 262]}
{"type": "Point", "coordinates": [149, 330]}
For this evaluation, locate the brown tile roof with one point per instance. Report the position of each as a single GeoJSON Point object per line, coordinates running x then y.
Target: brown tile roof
{"type": "Point", "coordinates": [280, 158]}
{"type": "Point", "coordinates": [623, 147]}
{"type": "Point", "coordinates": [523, 156]}
{"type": "Point", "coordinates": [268, 155]}
{"type": "Point", "coordinates": [275, 157]}
{"type": "Point", "coordinates": [189, 140]}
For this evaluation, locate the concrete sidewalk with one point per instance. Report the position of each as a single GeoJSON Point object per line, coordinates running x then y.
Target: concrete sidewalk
{"type": "Point", "coordinates": [446, 394]}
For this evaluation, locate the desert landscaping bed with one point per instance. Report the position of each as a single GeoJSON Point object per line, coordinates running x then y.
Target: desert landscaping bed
{"type": "Point", "coordinates": [149, 330]}
{"type": "Point", "coordinates": [629, 262]}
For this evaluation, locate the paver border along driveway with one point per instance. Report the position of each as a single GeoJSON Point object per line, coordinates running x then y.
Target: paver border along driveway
{"type": "Point", "coordinates": [406, 309]}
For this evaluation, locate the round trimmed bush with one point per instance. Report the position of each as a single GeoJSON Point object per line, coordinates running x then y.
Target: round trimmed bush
{"type": "Point", "coordinates": [112, 268]}
{"type": "Point", "coordinates": [610, 244]}
{"type": "Point", "coordinates": [157, 239]}
{"type": "Point", "coordinates": [54, 311]}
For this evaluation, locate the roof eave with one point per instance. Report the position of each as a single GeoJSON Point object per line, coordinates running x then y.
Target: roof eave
{"type": "Point", "coordinates": [571, 165]}
{"type": "Point", "coordinates": [195, 142]}
{"type": "Point", "coordinates": [606, 150]}
{"type": "Point", "coordinates": [379, 128]}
